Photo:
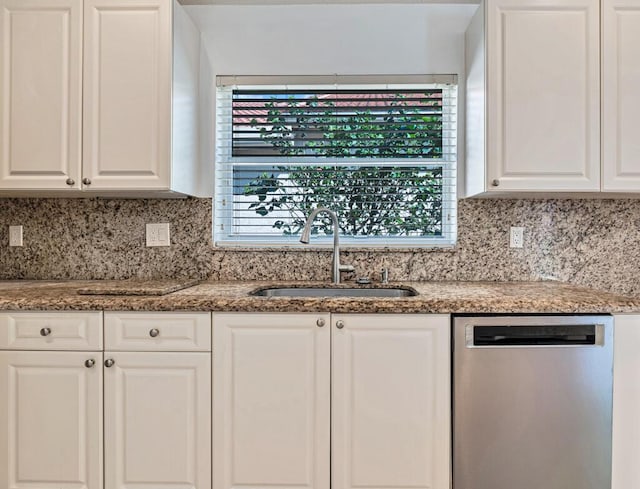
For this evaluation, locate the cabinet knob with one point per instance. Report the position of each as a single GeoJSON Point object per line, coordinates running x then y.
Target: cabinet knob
{"type": "Point", "coordinates": [86, 181]}
{"type": "Point", "coordinates": [495, 182]}
{"type": "Point", "coordinates": [71, 182]}
{"type": "Point", "coordinates": [320, 322]}
{"type": "Point", "coordinates": [154, 332]}
{"type": "Point", "coordinates": [339, 324]}
{"type": "Point", "coordinates": [90, 363]}
{"type": "Point", "coordinates": [45, 331]}
{"type": "Point", "coordinates": [109, 362]}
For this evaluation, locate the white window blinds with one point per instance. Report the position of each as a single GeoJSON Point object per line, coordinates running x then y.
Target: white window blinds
{"type": "Point", "coordinates": [383, 157]}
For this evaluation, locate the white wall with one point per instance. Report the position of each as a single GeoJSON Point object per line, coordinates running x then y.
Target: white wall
{"type": "Point", "coordinates": [333, 39]}
{"type": "Point", "coordinates": [328, 39]}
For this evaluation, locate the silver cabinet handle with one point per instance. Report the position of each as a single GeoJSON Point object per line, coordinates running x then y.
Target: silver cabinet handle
{"type": "Point", "coordinates": [86, 181]}
{"type": "Point", "coordinates": [154, 332]}
{"type": "Point", "coordinates": [320, 322]}
{"type": "Point", "coordinates": [45, 331]}
{"type": "Point", "coordinates": [339, 324]}
{"type": "Point", "coordinates": [109, 362]}
{"type": "Point", "coordinates": [90, 363]}
{"type": "Point", "coordinates": [495, 183]}
{"type": "Point", "coordinates": [71, 182]}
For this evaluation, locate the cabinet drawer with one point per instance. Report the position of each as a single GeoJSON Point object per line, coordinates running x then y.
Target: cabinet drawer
{"type": "Point", "coordinates": [142, 331]}
{"type": "Point", "coordinates": [51, 331]}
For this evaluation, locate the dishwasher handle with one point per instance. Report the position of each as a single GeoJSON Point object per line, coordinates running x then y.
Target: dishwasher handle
{"type": "Point", "coordinates": [530, 336]}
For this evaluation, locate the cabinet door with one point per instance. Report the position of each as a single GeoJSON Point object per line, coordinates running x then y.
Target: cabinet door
{"type": "Point", "coordinates": [626, 403]}
{"type": "Point", "coordinates": [40, 93]}
{"type": "Point", "coordinates": [271, 400]}
{"type": "Point", "coordinates": [158, 420]}
{"type": "Point", "coordinates": [390, 418]}
{"type": "Point", "coordinates": [50, 420]}
{"type": "Point", "coordinates": [621, 97]}
{"type": "Point", "coordinates": [543, 74]}
{"type": "Point", "coordinates": [127, 94]}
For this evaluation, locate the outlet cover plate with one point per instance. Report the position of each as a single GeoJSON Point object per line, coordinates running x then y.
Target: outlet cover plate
{"type": "Point", "coordinates": [516, 237]}
{"type": "Point", "coordinates": [158, 235]}
{"type": "Point", "coordinates": [15, 236]}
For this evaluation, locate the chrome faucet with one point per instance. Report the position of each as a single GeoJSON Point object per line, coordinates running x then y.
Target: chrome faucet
{"type": "Point", "coordinates": [306, 236]}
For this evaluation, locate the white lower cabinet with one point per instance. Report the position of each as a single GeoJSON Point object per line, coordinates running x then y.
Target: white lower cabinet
{"type": "Point", "coordinates": [156, 405]}
{"type": "Point", "coordinates": [626, 402]}
{"type": "Point", "coordinates": [308, 401]}
{"type": "Point", "coordinates": [271, 397]}
{"type": "Point", "coordinates": [50, 420]}
{"type": "Point", "coordinates": [157, 420]}
{"type": "Point", "coordinates": [388, 379]}
{"type": "Point", "coordinates": [390, 417]}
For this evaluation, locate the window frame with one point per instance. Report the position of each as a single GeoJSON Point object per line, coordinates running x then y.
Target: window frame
{"type": "Point", "coordinates": [224, 186]}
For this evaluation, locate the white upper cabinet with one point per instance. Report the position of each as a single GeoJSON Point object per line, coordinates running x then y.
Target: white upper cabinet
{"type": "Point", "coordinates": [552, 97]}
{"type": "Point", "coordinates": [127, 94]}
{"type": "Point", "coordinates": [621, 96]}
{"type": "Point", "coordinates": [544, 80]}
{"type": "Point", "coordinates": [542, 96]}
{"type": "Point", "coordinates": [40, 94]}
{"type": "Point", "coordinates": [99, 96]}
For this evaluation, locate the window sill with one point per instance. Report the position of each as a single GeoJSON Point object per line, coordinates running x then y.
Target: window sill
{"type": "Point", "coordinates": [270, 248]}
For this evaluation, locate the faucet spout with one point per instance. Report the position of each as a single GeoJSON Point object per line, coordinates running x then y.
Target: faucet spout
{"type": "Point", "coordinates": [306, 237]}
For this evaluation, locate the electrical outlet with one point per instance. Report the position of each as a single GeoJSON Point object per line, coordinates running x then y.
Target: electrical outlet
{"type": "Point", "coordinates": [158, 235]}
{"type": "Point", "coordinates": [15, 236]}
{"type": "Point", "coordinates": [517, 237]}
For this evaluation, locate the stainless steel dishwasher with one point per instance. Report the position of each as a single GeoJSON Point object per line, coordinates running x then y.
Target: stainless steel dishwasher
{"type": "Point", "coordinates": [532, 401]}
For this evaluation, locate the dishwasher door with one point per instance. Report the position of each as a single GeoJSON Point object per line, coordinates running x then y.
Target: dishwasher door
{"type": "Point", "coordinates": [532, 402]}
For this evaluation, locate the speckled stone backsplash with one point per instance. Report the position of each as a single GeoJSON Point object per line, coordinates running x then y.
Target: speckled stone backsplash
{"type": "Point", "coordinates": [104, 239]}
{"type": "Point", "coordinates": [594, 243]}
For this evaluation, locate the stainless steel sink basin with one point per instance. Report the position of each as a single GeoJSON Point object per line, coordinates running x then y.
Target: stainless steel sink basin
{"type": "Point", "coordinates": [334, 292]}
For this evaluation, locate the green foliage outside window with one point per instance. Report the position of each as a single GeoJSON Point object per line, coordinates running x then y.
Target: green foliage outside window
{"type": "Point", "coordinates": [370, 200]}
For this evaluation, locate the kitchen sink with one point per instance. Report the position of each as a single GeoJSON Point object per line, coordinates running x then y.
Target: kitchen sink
{"type": "Point", "coordinates": [334, 292]}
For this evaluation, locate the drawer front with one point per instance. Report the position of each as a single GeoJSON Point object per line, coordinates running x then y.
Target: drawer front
{"type": "Point", "coordinates": [143, 331]}
{"type": "Point", "coordinates": [51, 331]}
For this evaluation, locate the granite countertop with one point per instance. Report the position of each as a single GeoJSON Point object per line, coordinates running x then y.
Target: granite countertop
{"type": "Point", "coordinates": [433, 297]}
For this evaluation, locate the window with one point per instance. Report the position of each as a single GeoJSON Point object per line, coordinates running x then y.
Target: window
{"type": "Point", "coordinates": [382, 156]}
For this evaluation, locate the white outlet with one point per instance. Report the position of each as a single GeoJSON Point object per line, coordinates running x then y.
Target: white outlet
{"type": "Point", "coordinates": [15, 236]}
{"type": "Point", "coordinates": [158, 235]}
{"type": "Point", "coordinates": [517, 237]}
